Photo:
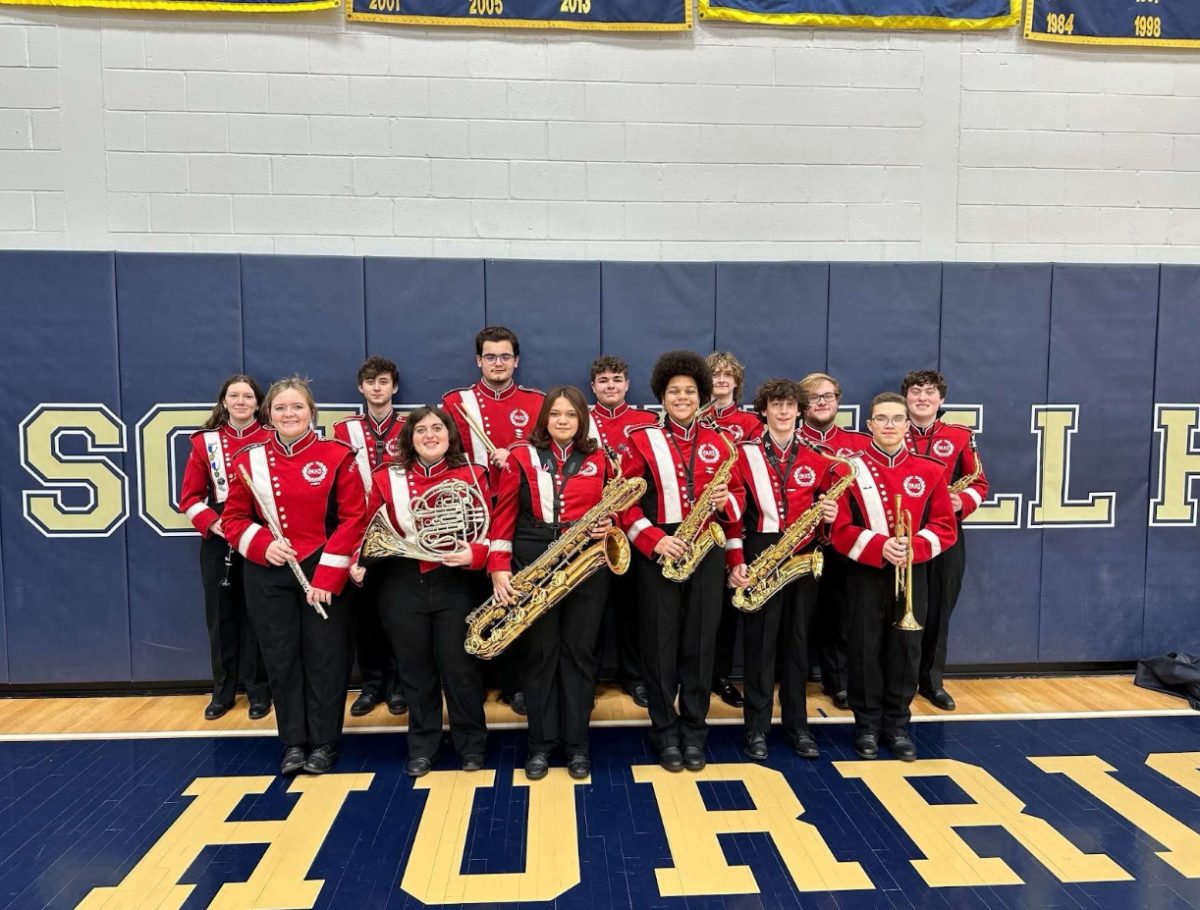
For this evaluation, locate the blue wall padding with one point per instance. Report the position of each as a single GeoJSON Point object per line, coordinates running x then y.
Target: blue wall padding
{"type": "Point", "coordinates": [774, 317]}
{"type": "Point", "coordinates": [651, 307]}
{"type": "Point", "coordinates": [424, 313]}
{"type": "Point", "coordinates": [1102, 336]}
{"type": "Point", "coordinates": [554, 307]}
{"type": "Point", "coordinates": [201, 295]}
{"type": "Point", "coordinates": [995, 316]}
{"type": "Point", "coordinates": [65, 599]}
{"type": "Point", "coordinates": [1173, 553]}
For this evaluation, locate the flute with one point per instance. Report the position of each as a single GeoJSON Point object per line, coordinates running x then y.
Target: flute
{"type": "Point", "coordinates": [277, 533]}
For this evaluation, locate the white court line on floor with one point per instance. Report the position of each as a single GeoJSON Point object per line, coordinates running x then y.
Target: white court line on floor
{"type": "Point", "coordinates": [511, 725]}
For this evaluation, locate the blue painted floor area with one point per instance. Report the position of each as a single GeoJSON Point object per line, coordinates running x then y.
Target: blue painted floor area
{"type": "Point", "coordinates": [78, 815]}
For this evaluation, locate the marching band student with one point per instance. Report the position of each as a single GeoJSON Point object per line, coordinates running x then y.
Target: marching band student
{"type": "Point", "coordinates": [728, 376]}
{"type": "Point", "coordinates": [884, 659]}
{"type": "Point", "coordinates": [316, 501]}
{"type": "Point", "coordinates": [503, 411]}
{"type": "Point", "coordinates": [610, 418]}
{"type": "Point", "coordinates": [233, 648]}
{"type": "Point", "coordinates": [374, 438]}
{"type": "Point", "coordinates": [679, 459]}
{"type": "Point", "coordinates": [782, 477]}
{"type": "Point", "coordinates": [549, 484]}
{"type": "Point", "coordinates": [952, 445]}
{"type": "Point", "coordinates": [827, 641]}
{"type": "Point", "coordinates": [424, 605]}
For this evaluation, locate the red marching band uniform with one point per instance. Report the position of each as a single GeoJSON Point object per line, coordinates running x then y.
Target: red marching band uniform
{"type": "Point", "coordinates": [423, 606]}
{"type": "Point", "coordinates": [373, 443]}
{"type": "Point", "coordinates": [609, 426]}
{"type": "Point", "coordinates": [781, 484]}
{"type": "Point", "coordinates": [506, 417]}
{"type": "Point", "coordinates": [316, 495]}
{"type": "Point", "coordinates": [206, 483]}
{"type": "Point", "coordinates": [678, 620]}
{"type": "Point", "coordinates": [741, 424]}
{"type": "Point", "coordinates": [884, 659]}
{"type": "Point", "coordinates": [952, 446]}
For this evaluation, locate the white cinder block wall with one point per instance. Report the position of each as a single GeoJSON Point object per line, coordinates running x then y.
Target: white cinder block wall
{"type": "Point", "coordinates": [309, 134]}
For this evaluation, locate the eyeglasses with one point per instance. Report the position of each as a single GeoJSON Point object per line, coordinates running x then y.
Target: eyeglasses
{"type": "Point", "coordinates": [819, 399]}
{"type": "Point", "coordinates": [882, 420]}
{"type": "Point", "coordinates": [497, 358]}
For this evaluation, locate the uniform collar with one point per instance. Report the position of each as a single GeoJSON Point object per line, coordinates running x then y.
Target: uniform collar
{"type": "Point", "coordinates": [926, 431]}
{"type": "Point", "coordinates": [808, 429]}
{"type": "Point", "coordinates": [562, 453]}
{"type": "Point", "coordinates": [884, 458]}
{"type": "Point", "coordinates": [482, 388]}
{"type": "Point", "coordinates": [381, 426]}
{"type": "Point", "coordinates": [614, 413]}
{"type": "Point", "coordinates": [296, 447]}
{"type": "Point", "coordinates": [768, 439]}
{"type": "Point", "coordinates": [248, 430]}
{"type": "Point", "coordinates": [719, 411]}
{"type": "Point", "coordinates": [433, 470]}
{"type": "Point", "coordinates": [679, 432]}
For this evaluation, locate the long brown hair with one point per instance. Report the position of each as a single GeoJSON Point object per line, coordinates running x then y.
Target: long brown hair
{"type": "Point", "coordinates": [455, 457]}
{"type": "Point", "coordinates": [220, 413]}
{"type": "Point", "coordinates": [540, 437]}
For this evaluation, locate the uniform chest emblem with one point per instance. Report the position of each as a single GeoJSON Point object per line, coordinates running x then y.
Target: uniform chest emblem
{"type": "Point", "coordinates": [736, 432]}
{"type": "Point", "coordinates": [518, 418]}
{"type": "Point", "coordinates": [914, 485]}
{"type": "Point", "coordinates": [943, 448]}
{"type": "Point", "coordinates": [804, 476]}
{"type": "Point", "coordinates": [392, 446]}
{"type": "Point", "coordinates": [314, 472]}
{"type": "Point", "coordinates": [708, 453]}
{"type": "Point", "coordinates": [589, 470]}
{"type": "Point", "coordinates": [843, 452]}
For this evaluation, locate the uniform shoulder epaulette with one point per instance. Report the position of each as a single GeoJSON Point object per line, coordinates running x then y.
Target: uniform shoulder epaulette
{"type": "Point", "coordinates": [520, 443]}
{"type": "Point", "coordinates": [347, 419]}
{"type": "Point", "coordinates": [856, 432]}
{"type": "Point", "coordinates": [341, 442]}
{"type": "Point", "coordinates": [642, 426]}
{"type": "Point", "coordinates": [252, 445]}
{"type": "Point", "coordinates": [958, 427]}
{"type": "Point", "coordinates": [465, 388]}
{"type": "Point", "coordinates": [199, 432]}
{"type": "Point", "coordinates": [385, 466]}
{"type": "Point", "coordinates": [929, 458]}
{"type": "Point", "coordinates": [525, 388]}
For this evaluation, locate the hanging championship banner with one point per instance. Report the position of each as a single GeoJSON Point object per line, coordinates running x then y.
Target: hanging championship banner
{"type": "Point", "coordinates": [202, 6]}
{"type": "Point", "coordinates": [923, 14]}
{"type": "Point", "coordinates": [605, 15]}
{"type": "Point", "coordinates": [1150, 23]}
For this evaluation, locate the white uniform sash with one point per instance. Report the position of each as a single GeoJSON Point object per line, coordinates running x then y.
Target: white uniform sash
{"type": "Point", "coordinates": [358, 439]}
{"type": "Point", "coordinates": [872, 501]}
{"type": "Point", "coordinates": [216, 464]}
{"type": "Point", "coordinates": [764, 494]}
{"type": "Point", "coordinates": [479, 451]}
{"type": "Point", "coordinates": [401, 503]}
{"type": "Point", "coordinates": [668, 479]}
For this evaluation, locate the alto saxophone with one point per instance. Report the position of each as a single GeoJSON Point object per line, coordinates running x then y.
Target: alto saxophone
{"type": "Point", "coordinates": [566, 564]}
{"type": "Point", "coordinates": [696, 531]}
{"type": "Point", "coordinates": [777, 566]}
{"type": "Point", "coordinates": [959, 486]}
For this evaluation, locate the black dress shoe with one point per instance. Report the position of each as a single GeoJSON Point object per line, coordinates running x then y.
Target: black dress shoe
{"type": "Point", "coordinates": [940, 698]}
{"type": "Point", "coordinates": [728, 692]}
{"type": "Point", "coordinates": [259, 709]}
{"type": "Point", "coordinates": [537, 765]}
{"type": "Point", "coordinates": [671, 758]}
{"type": "Point", "coordinates": [321, 759]}
{"type": "Point", "coordinates": [418, 767]}
{"type": "Point", "coordinates": [693, 758]}
{"type": "Point", "coordinates": [293, 760]}
{"type": "Point", "coordinates": [472, 763]}
{"type": "Point", "coordinates": [397, 704]}
{"type": "Point", "coordinates": [517, 703]}
{"type": "Point", "coordinates": [814, 674]}
{"type": "Point", "coordinates": [215, 709]}
{"type": "Point", "coordinates": [640, 694]}
{"type": "Point", "coordinates": [754, 746]}
{"type": "Point", "coordinates": [866, 745]}
{"type": "Point", "coordinates": [841, 700]}
{"type": "Point", "coordinates": [364, 704]}
{"type": "Point", "coordinates": [579, 766]}
{"type": "Point", "coordinates": [902, 747]}
{"type": "Point", "coordinates": [804, 745]}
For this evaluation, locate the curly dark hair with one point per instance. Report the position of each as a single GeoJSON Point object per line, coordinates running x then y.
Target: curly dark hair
{"type": "Point", "coordinates": [455, 456]}
{"type": "Point", "coordinates": [776, 390]}
{"type": "Point", "coordinates": [378, 366]}
{"type": "Point", "coordinates": [681, 363]}
{"type": "Point", "coordinates": [924, 377]}
{"type": "Point", "coordinates": [609, 363]}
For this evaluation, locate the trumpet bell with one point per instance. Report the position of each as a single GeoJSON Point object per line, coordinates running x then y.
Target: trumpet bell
{"type": "Point", "coordinates": [908, 623]}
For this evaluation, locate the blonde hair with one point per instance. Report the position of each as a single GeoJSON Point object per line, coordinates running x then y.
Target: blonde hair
{"type": "Point", "coordinates": [726, 362]}
{"type": "Point", "coordinates": [294, 383]}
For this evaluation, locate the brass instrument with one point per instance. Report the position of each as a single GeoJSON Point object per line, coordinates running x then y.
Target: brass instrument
{"type": "Point", "coordinates": [778, 565]}
{"type": "Point", "coordinates": [959, 486]}
{"type": "Point", "coordinates": [696, 531]}
{"type": "Point", "coordinates": [566, 563]}
{"type": "Point", "coordinates": [447, 517]}
{"type": "Point", "coordinates": [904, 574]}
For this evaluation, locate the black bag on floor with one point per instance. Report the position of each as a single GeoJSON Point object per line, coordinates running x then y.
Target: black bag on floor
{"type": "Point", "coordinates": [1172, 674]}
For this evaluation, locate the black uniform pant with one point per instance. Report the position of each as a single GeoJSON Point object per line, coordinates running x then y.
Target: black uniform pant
{"type": "Point", "coordinates": [425, 614]}
{"type": "Point", "coordinates": [945, 583]}
{"type": "Point", "coordinates": [829, 624]}
{"type": "Point", "coordinates": [678, 634]}
{"type": "Point", "coordinates": [623, 612]}
{"type": "Point", "coordinates": [232, 646]}
{"type": "Point", "coordinates": [561, 656]}
{"type": "Point", "coordinates": [778, 630]}
{"type": "Point", "coordinates": [727, 631]}
{"type": "Point", "coordinates": [883, 660]}
{"type": "Point", "coordinates": [305, 655]}
{"type": "Point", "coordinates": [376, 660]}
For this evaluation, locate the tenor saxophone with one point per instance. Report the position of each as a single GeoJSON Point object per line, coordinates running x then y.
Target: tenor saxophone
{"type": "Point", "coordinates": [778, 564]}
{"type": "Point", "coordinates": [696, 531]}
{"type": "Point", "coordinates": [566, 564]}
{"type": "Point", "coordinates": [959, 486]}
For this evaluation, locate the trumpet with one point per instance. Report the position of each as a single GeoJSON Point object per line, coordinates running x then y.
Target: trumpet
{"type": "Point", "coordinates": [904, 574]}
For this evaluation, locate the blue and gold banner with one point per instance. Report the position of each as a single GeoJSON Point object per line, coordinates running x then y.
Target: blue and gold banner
{"type": "Point", "coordinates": [1149, 23]}
{"type": "Point", "coordinates": [604, 15]}
{"type": "Point", "coordinates": [193, 6]}
{"type": "Point", "coordinates": [923, 14]}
